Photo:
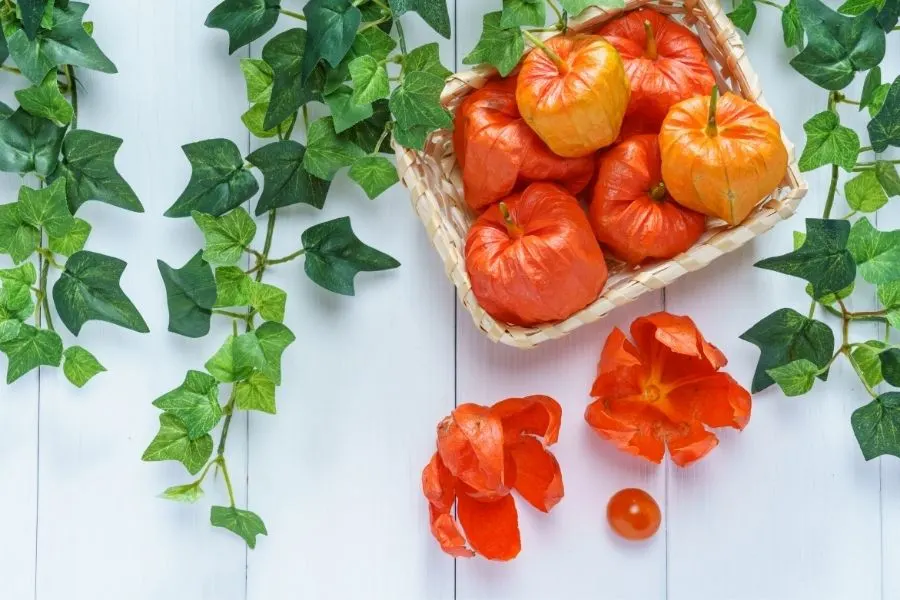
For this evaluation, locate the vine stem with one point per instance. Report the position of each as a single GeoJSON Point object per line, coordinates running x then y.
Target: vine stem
{"type": "Point", "coordinates": [895, 161]}
{"type": "Point", "coordinates": [45, 298]}
{"type": "Point", "coordinates": [288, 258]}
{"type": "Point", "coordinates": [10, 69]}
{"type": "Point", "coordinates": [73, 89]}
{"type": "Point", "coordinates": [400, 35]}
{"type": "Point", "coordinates": [293, 13]}
{"type": "Point", "coordinates": [560, 19]}
{"type": "Point", "coordinates": [772, 4]}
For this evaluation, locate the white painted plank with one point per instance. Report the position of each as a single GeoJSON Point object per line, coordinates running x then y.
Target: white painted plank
{"type": "Point", "coordinates": [570, 553]}
{"type": "Point", "coordinates": [103, 532]}
{"type": "Point", "coordinates": [788, 508]}
{"type": "Point", "coordinates": [336, 474]}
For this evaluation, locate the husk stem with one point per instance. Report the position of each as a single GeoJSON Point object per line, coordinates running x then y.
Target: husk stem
{"type": "Point", "coordinates": [711, 128]}
{"type": "Point", "coordinates": [650, 50]}
{"type": "Point", "coordinates": [511, 226]}
{"type": "Point", "coordinates": [562, 65]}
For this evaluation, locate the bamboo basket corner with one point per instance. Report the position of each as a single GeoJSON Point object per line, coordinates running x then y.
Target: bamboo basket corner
{"type": "Point", "coordinates": [434, 181]}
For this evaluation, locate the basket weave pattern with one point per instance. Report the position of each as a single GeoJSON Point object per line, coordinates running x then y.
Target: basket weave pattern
{"type": "Point", "coordinates": [435, 183]}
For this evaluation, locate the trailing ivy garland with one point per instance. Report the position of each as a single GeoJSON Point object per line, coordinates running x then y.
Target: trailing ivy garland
{"type": "Point", "coordinates": [796, 348]}
{"type": "Point", "coordinates": [43, 44]}
{"type": "Point", "coordinates": [374, 87]}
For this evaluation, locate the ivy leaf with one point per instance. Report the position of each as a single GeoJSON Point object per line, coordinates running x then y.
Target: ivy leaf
{"type": "Point", "coordinates": [45, 100]}
{"type": "Point", "coordinates": [25, 274]}
{"type": "Point", "coordinates": [285, 178]}
{"type": "Point", "coordinates": [334, 255]}
{"type": "Point", "coordinates": [824, 259]}
{"type": "Point", "coordinates": [576, 7]}
{"type": "Point", "coordinates": [244, 523]}
{"type": "Point", "coordinates": [258, 76]}
{"type": "Point", "coordinates": [88, 290]}
{"type": "Point", "coordinates": [345, 111]}
{"type": "Point", "coordinates": [866, 358]}
{"type": "Point", "coordinates": [889, 296]}
{"type": "Point", "coordinates": [254, 120]}
{"type": "Point", "coordinates": [67, 43]}
{"type": "Point", "coordinates": [433, 12]}
{"type": "Point", "coordinates": [828, 142]}
{"type": "Point", "coordinates": [744, 15]}
{"type": "Point", "coordinates": [268, 300]}
{"type": "Point", "coordinates": [232, 287]}
{"type": "Point", "coordinates": [80, 366]}
{"type": "Point", "coordinates": [46, 208]}
{"type": "Point", "coordinates": [887, 176]}
{"type": "Point", "coordinates": [173, 443]}
{"type": "Point", "coordinates": [89, 168]}
{"type": "Point", "coordinates": [499, 47]}
{"type": "Point", "coordinates": [17, 237]}
{"type": "Point", "coordinates": [858, 7]}
{"type": "Point", "coordinates": [284, 53]}
{"type": "Point", "coordinates": [889, 15]}
{"type": "Point", "coordinates": [190, 295]}
{"type": "Point", "coordinates": [864, 193]}
{"type": "Point", "coordinates": [219, 181]}
{"type": "Point", "coordinates": [795, 378]}
{"type": "Point", "coordinates": [417, 102]}
{"type": "Point", "coordinates": [837, 46]}
{"type": "Point", "coordinates": [326, 153]}
{"type": "Point", "coordinates": [877, 426]}
{"type": "Point", "coordinates": [330, 28]}
{"type": "Point", "coordinates": [195, 402]}
{"type": "Point", "coordinates": [9, 330]}
{"type": "Point", "coordinates": [15, 301]}
{"type": "Point", "coordinates": [791, 27]}
{"type": "Point", "coordinates": [884, 128]}
{"type": "Point", "coordinates": [786, 336]}
{"type": "Point", "coordinates": [273, 338]}
{"type": "Point", "coordinates": [876, 253]}
{"type": "Point", "coordinates": [237, 358]}
{"type": "Point", "coordinates": [188, 493]}
{"type": "Point", "coordinates": [367, 134]}
{"type": "Point", "coordinates": [523, 13]}
{"type": "Point", "coordinates": [29, 143]}
{"type": "Point", "coordinates": [890, 366]}
{"type": "Point", "coordinates": [32, 15]}
{"type": "Point", "coordinates": [373, 42]}
{"type": "Point", "coordinates": [427, 59]}
{"type": "Point", "coordinates": [29, 349]}
{"type": "Point", "coordinates": [244, 20]}
{"type": "Point", "coordinates": [226, 236]}
{"type": "Point", "coordinates": [257, 392]}
{"type": "Point", "coordinates": [374, 174]}
{"type": "Point", "coordinates": [73, 240]}
{"type": "Point", "coordinates": [370, 80]}
{"type": "Point", "coordinates": [872, 83]}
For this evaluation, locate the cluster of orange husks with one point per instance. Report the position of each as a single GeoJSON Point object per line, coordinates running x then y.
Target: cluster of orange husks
{"type": "Point", "coordinates": [660, 391]}
{"type": "Point", "coordinates": [633, 108]}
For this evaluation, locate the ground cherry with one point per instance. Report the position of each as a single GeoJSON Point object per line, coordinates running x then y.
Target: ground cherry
{"type": "Point", "coordinates": [633, 514]}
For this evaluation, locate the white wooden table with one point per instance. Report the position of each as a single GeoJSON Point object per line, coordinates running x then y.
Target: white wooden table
{"type": "Point", "coordinates": [786, 510]}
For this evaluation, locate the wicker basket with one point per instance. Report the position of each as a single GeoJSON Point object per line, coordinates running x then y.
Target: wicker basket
{"type": "Point", "coordinates": [435, 183]}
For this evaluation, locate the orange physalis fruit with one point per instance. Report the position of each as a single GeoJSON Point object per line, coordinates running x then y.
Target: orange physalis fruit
{"type": "Point", "coordinates": [663, 390]}
{"type": "Point", "coordinates": [633, 514]}
{"type": "Point", "coordinates": [483, 454]}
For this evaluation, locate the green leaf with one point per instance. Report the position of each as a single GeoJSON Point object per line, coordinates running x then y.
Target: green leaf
{"type": "Point", "coordinates": [244, 20]}
{"type": "Point", "coordinates": [244, 523]}
{"type": "Point", "coordinates": [330, 28]}
{"type": "Point", "coordinates": [67, 43]}
{"type": "Point", "coordinates": [791, 27]}
{"type": "Point", "coordinates": [188, 493]}
{"type": "Point", "coordinates": [226, 237]}
{"type": "Point", "coordinates": [46, 208]}
{"type": "Point", "coordinates": [887, 176]}
{"type": "Point", "coordinates": [9, 330]}
{"type": "Point", "coordinates": [837, 46]}
{"type": "Point", "coordinates": [190, 295]}
{"type": "Point", "coordinates": [744, 15]}
{"type": "Point", "coordinates": [195, 402]}
{"type": "Point", "coordinates": [877, 426]}
{"type": "Point", "coordinates": [88, 290]}
{"type": "Point", "coordinates": [89, 167]}
{"type": "Point", "coordinates": [273, 338]}
{"type": "Point", "coordinates": [824, 259]}
{"type": "Point", "coordinates": [285, 178]}
{"type": "Point", "coordinates": [258, 76]}
{"type": "Point", "coordinates": [864, 193]}
{"type": "Point", "coordinates": [33, 13]}
{"type": "Point", "coordinates": [173, 443]}
{"type": "Point", "coordinates": [890, 366]}
{"type": "Point", "coordinates": [257, 392]}
{"type": "Point", "coordinates": [858, 7]}
{"type": "Point", "coordinates": [15, 301]}
{"type": "Point", "coordinates": [232, 287]}
{"type": "Point", "coordinates": [237, 358]}
{"type": "Point", "coordinates": [433, 12]}
{"type": "Point", "coordinates": [889, 296]}
{"type": "Point", "coordinates": [576, 7]}
{"type": "Point", "coordinates": [80, 366]}
{"type": "Point", "coordinates": [30, 349]}
{"type": "Point", "coordinates": [889, 15]}
{"type": "Point", "coordinates": [427, 59]}
{"type": "Point", "coordinates": [29, 143]}
{"type": "Point", "coordinates": [25, 274]}
{"type": "Point", "coordinates": [374, 174]}
{"type": "Point", "coordinates": [417, 102]}
{"type": "Point", "coordinates": [345, 111]}
{"type": "Point", "coordinates": [17, 238]}
{"type": "Point", "coordinates": [795, 378]}
{"type": "Point", "coordinates": [373, 42]}
{"type": "Point", "coordinates": [73, 240]}
{"type": "Point", "coordinates": [326, 153]}
{"type": "Point", "coordinates": [872, 83]}
{"type": "Point", "coordinates": [219, 181]}
{"type": "Point", "coordinates": [334, 255]}
{"type": "Point", "coordinates": [876, 253]}
{"type": "Point", "coordinates": [828, 142]}
{"type": "Point", "coordinates": [284, 53]}
{"type": "Point", "coordinates": [878, 98]}
{"type": "Point", "coordinates": [268, 300]}
{"type": "Point", "coordinates": [497, 46]}
{"type": "Point", "coordinates": [867, 361]}
{"type": "Point", "coordinates": [45, 100]}
{"type": "Point", "coordinates": [884, 128]}
{"type": "Point", "coordinates": [370, 80]}
{"type": "Point", "coordinates": [523, 13]}
{"type": "Point", "coordinates": [367, 134]}
{"type": "Point", "coordinates": [786, 336]}
{"type": "Point", "coordinates": [254, 121]}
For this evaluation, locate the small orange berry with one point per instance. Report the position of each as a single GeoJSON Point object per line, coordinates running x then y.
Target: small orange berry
{"type": "Point", "coordinates": [633, 514]}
